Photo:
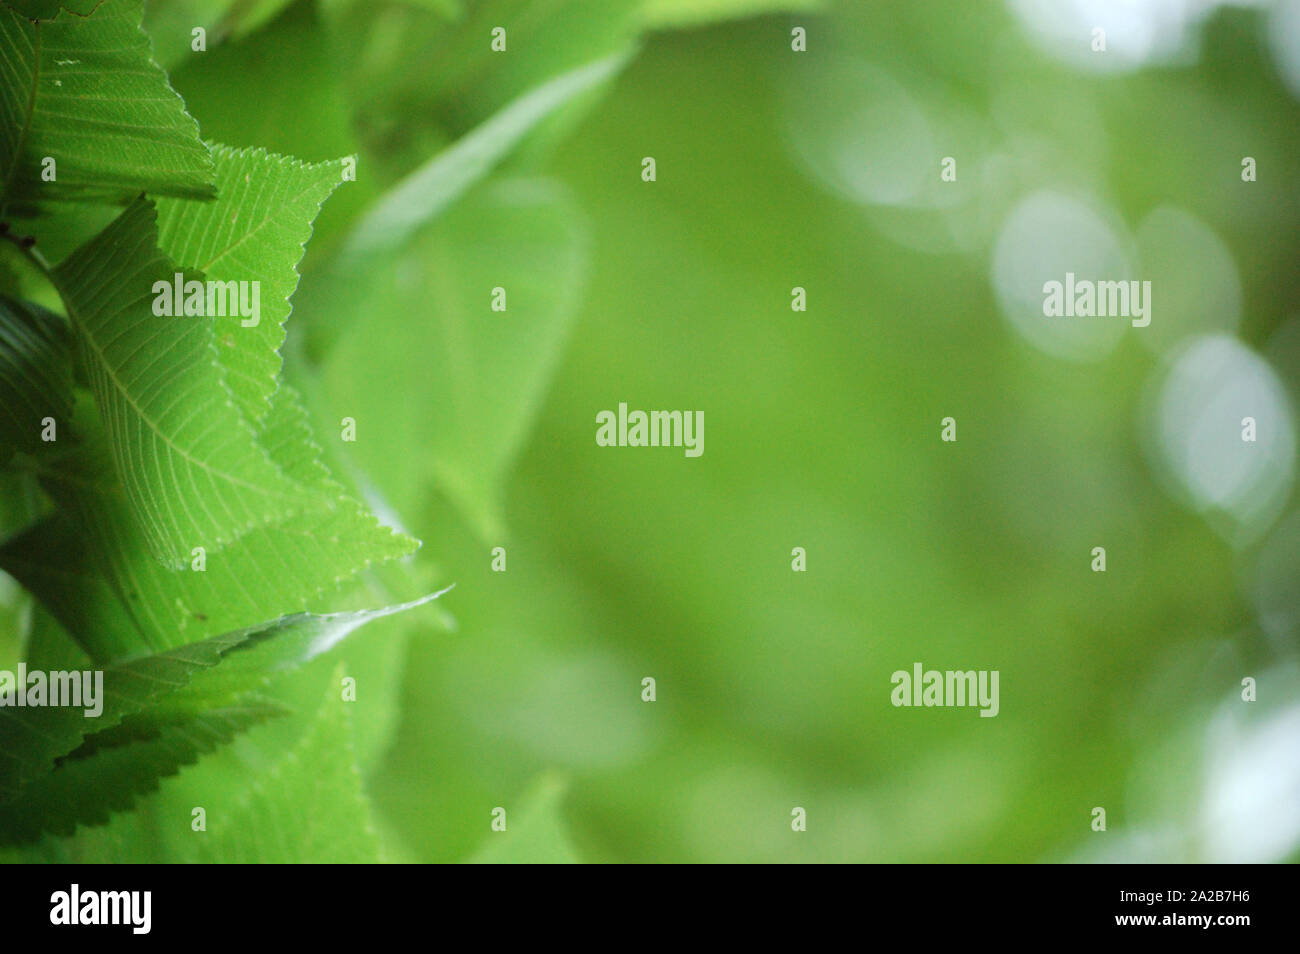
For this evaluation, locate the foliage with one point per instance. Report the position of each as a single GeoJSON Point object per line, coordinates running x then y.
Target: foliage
{"type": "Point", "coordinates": [174, 517]}
{"type": "Point", "coordinates": [184, 508]}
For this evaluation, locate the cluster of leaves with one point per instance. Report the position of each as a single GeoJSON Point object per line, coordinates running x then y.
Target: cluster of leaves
{"type": "Point", "coordinates": [165, 502]}
{"type": "Point", "coordinates": [190, 518]}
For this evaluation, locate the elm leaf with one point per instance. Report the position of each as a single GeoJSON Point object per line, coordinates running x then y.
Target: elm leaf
{"type": "Point", "coordinates": [59, 768]}
{"type": "Point", "coordinates": [267, 823]}
{"type": "Point", "coordinates": [255, 231]}
{"type": "Point", "coordinates": [83, 90]}
{"type": "Point", "coordinates": [89, 565]}
{"type": "Point", "coordinates": [190, 463]}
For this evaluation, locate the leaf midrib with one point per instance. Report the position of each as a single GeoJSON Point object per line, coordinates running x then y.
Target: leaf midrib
{"type": "Point", "coordinates": [121, 388]}
{"type": "Point", "coordinates": [262, 223]}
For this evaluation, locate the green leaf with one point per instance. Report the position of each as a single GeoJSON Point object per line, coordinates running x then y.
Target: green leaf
{"type": "Point", "coordinates": [21, 503]}
{"type": "Point", "coordinates": [250, 15]}
{"type": "Point", "coordinates": [76, 793]}
{"type": "Point", "coordinates": [83, 91]}
{"type": "Point", "coordinates": [292, 61]}
{"type": "Point", "coordinates": [424, 193]}
{"type": "Point", "coordinates": [282, 818]}
{"type": "Point", "coordinates": [51, 560]}
{"type": "Point", "coordinates": [59, 768]}
{"type": "Point", "coordinates": [449, 74]}
{"type": "Point", "coordinates": [291, 641]}
{"type": "Point", "coordinates": [35, 375]}
{"type": "Point", "coordinates": [32, 739]}
{"type": "Point", "coordinates": [193, 471]}
{"type": "Point", "coordinates": [255, 231]}
{"type": "Point", "coordinates": [170, 22]}
{"type": "Point", "coordinates": [351, 281]}
{"type": "Point", "coordinates": [465, 423]}
{"type": "Point", "coordinates": [170, 25]}
{"type": "Point", "coordinates": [535, 833]}
{"type": "Point", "coordinates": [89, 564]}
{"type": "Point", "coordinates": [48, 645]}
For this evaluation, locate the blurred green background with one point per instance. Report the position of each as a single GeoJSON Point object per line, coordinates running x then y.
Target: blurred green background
{"type": "Point", "coordinates": [818, 169]}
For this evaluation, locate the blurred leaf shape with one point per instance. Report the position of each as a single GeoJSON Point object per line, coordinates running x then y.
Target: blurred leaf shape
{"type": "Point", "coordinates": [535, 831]}
{"type": "Point", "coordinates": [473, 378]}
{"type": "Point", "coordinates": [269, 824]}
{"type": "Point", "coordinates": [679, 14]}
{"type": "Point", "coordinates": [419, 197]}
